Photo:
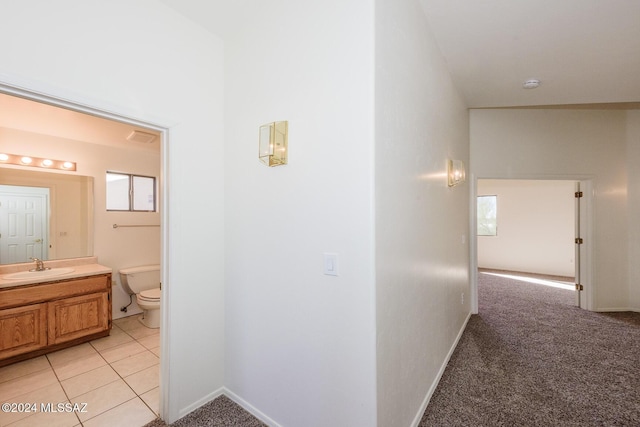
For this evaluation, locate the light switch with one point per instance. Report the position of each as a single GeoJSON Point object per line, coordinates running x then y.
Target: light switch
{"type": "Point", "coordinates": [331, 264]}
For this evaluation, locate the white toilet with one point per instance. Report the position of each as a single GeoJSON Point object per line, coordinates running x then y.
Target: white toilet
{"type": "Point", "coordinates": [144, 281]}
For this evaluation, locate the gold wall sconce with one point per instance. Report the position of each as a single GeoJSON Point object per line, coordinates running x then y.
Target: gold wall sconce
{"type": "Point", "coordinates": [455, 172]}
{"type": "Point", "coordinates": [272, 146]}
{"type": "Point", "coordinates": [36, 162]}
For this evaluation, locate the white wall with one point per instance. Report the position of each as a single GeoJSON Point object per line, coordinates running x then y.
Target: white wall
{"type": "Point", "coordinates": [567, 144]}
{"type": "Point", "coordinates": [422, 246]}
{"type": "Point", "coordinates": [115, 248]}
{"type": "Point", "coordinates": [301, 345]}
{"type": "Point", "coordinates": [140, 59]}
{"type": "Point", "coordinates": [536, 227]}
{"type": "Point", "coordinates": [633, 230]}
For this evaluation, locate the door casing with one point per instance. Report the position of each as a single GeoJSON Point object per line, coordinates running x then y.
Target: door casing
{"type": "Point", "coordinates": [586, 272]}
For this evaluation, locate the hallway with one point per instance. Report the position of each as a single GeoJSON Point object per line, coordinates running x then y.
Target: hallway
{"type": "Point", "coordinates": [530, 357]}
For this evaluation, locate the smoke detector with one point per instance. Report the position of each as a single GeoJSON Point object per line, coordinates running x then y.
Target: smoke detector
{"type": "Point", "coordinates": [143, 137]}
{"type": "Point", "coordinates": [531, 84]}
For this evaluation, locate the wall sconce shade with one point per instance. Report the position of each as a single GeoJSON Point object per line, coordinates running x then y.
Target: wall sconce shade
{"type": "Point", "coordinates": [36, 162]}
{"type": "Point", "coordinates": [272, 146]}
{"type": "Point", "coordinates": [455, 172]}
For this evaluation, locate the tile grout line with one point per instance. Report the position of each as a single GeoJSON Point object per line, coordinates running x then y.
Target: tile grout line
{"type": "Point", "coordinates": [125, 381]}
{"type": "Point", "coordinates": [136, 395]}
{"type": "Point", "coordinates": [121, 377]}
{"type": "Point", "coordinates": [81, 423]}
{"type": "Point", "coordinates": [139, 396]}
{"type": "Point", "coordinates": [61, 386]}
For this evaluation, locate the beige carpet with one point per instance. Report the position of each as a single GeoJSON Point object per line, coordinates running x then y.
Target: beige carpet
{"type": "Point", "coordinates": [531, 358]}
{"type": "Point", "coordinates": [222, 411]}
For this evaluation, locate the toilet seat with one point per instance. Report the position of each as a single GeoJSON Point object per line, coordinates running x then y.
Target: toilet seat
{"type": "Point", "coordinates": [150, 295]}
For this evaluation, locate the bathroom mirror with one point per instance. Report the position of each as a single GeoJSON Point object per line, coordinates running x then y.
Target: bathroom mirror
{"type": "Point", "coordinates": [58, 222]}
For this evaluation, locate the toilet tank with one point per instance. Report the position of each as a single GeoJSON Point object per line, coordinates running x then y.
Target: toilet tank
{"type": "Point", "coordinates": [137, 279]}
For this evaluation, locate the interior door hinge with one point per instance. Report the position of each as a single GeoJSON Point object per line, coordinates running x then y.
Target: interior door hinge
{"type": "Point", "coordinates": [578, 194]}
{"type": "Point", "coordinates": [579, 241]}
{"type": "Point", "coordinates": [579, 287]}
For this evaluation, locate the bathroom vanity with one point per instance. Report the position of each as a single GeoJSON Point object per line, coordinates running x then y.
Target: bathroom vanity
{"type": "Point", "coordinates": [52, 311]}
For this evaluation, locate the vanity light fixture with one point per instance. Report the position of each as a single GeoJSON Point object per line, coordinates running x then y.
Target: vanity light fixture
{"type": "Point", "coordinates": [455, 172]}
{"type": "Point", "coordinates": [273, 144]}
{"type": "Point", "coordinates": [531, 84]}
{"type": "Point", "coordinates": [37, 162]}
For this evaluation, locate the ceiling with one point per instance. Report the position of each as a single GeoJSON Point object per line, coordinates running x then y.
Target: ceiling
{"type": "Point", "coordinates": [30, 116]}
{"type": "Point", "coordinates": [583, 51]}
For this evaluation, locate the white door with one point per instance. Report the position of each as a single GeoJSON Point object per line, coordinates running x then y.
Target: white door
{"type": "Point", "coordinates": [24, 214]}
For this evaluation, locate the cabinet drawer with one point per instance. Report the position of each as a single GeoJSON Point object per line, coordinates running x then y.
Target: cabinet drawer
{"type": "Point", "coordinates": [41, 292]}
{"type": "Point", "coordinates": [23, 329]}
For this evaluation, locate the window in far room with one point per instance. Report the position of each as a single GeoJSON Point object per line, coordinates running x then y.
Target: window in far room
{"type": "Point", "coordinates": [487, 215]}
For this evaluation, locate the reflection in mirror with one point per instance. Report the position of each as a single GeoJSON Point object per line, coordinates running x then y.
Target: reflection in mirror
{"type": "Point", "coordinates": [44, 215]}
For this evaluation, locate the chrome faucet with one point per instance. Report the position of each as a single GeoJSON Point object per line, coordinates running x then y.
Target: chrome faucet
{"type": "Point", "coordinates": [39, 264]}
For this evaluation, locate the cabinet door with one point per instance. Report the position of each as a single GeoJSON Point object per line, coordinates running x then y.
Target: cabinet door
{"type": "Point", "coordinates": [22, 329]}
{"type": "Point", "coordinates": [72, 318]}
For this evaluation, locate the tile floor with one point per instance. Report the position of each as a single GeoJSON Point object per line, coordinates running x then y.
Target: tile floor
{"type": "Point", "coordinates": [117, 377]}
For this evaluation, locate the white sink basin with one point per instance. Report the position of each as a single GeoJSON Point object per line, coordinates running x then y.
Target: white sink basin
{"type": "Point", "coordinates": [38, 274]}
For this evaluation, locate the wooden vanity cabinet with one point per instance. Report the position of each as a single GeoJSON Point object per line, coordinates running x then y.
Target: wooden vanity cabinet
{"type": "Point", "coordinates": [72, 318]}
{"type": "Point", "coordinates": [44, 317]}
{"type": "Point", "coordinates": [24, 329]}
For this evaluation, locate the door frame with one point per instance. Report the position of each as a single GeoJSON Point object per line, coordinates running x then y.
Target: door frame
{"type": "Point", "coordinates": [44, 95]}
{"type": "Point", "coordinates": [587, 232]}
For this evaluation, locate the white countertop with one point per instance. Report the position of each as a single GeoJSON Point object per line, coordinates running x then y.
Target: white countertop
{"type": "Point", "coordinates": [80, 270]}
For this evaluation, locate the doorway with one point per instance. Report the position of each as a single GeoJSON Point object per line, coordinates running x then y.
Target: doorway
{"type": "Point", "coordinates": [40, 99]}
{"type": "Point", "coordinates": [535, 231]}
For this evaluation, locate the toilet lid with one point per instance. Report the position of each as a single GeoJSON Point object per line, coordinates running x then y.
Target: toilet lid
{"type": "Point", "coordinates": [151, 294]}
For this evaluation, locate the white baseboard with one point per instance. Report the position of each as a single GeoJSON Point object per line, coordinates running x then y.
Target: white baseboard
{"type": "Point", "coordinates": [434, 385]}
{"type": "Point", "coordinates": [250, 408]}
{"type": "Point", "coordinates": [416, 421]}
{"type": "Point", "coordinates": [616, 309]}
{"type": "Point", "coordinates": [208, 398]}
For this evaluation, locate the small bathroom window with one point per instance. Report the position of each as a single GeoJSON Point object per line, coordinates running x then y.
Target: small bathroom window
{"type": "Point", "coordinates": [128, 192]}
